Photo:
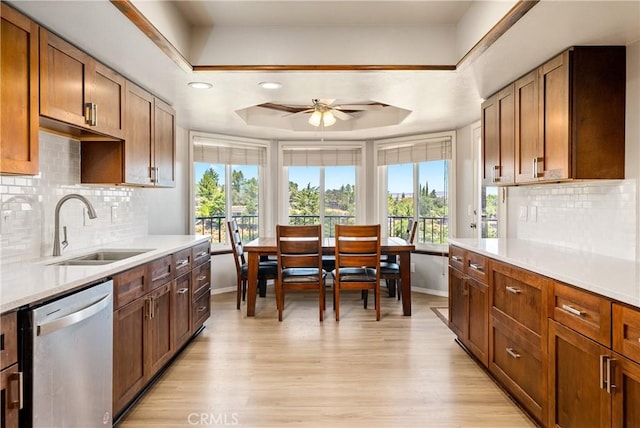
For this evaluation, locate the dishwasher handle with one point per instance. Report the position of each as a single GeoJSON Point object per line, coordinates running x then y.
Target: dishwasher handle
{"type": "Point", "coordinates": [74, 318]}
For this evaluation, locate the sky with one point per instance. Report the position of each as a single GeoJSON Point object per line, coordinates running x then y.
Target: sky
{"type": "Point", "coordinates": [400, 177]}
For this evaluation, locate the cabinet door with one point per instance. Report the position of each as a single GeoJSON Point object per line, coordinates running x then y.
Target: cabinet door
{"type": "Point", "coordinates": [506, 132]}
{"type": "Point", "coordinates": [554, 113]}
{"type": "Point", "coordinates": [478, 326]}
{"type": "Point", "coordinates": [109, 95]}
{"type": "Point", "coordinates": [458, 303]}
{"type": "Point", "coordinates": [527, 128]}
{"type": "Point", "coordinates": [159, 340]}
{"type": "Point", "coordinates": [19, 99]}
{"type": "Point", "coordinates": [10, 397]}
{"type": "Point", "coordinates": [576, 394]}
{"type": "Point", "coordinates": [181, 309]}
{"type": "Point", "coordinates": [626, 394]}
{"type": "Point", "coordinates": [490, 142]}
{"type": "Point", "coordinates": [128, 352]}
{"type": "Point", "coordinates": [65, 80]}
{"type": "Point", "coordinates": [139, 135]}
{"type": "Point", "coordinates": [164, 149]}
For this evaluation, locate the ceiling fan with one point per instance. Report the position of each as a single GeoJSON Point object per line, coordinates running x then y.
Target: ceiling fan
{"type": "Point", "coordinates": [323, 112]}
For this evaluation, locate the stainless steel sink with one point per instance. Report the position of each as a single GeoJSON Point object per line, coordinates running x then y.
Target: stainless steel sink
{"type": "Point", "coordinates": [100, 257]}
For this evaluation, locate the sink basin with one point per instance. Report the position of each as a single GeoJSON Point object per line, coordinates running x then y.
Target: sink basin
{"type": "Point", "coordinates": [100, 257]}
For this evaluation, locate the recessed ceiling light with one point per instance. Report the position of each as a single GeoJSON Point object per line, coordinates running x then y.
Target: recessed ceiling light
{"type": "Point", "coordinates": [270, 85]}
{"type": "Point", "coordinates": [200, 85]}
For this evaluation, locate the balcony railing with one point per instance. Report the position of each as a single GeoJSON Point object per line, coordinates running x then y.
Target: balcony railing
{"type": "Point", "coordinates": [430, 229]}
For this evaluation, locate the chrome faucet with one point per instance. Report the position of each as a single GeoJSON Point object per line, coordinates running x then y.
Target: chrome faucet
{"type": "Point", "coordinates": [56, 238]}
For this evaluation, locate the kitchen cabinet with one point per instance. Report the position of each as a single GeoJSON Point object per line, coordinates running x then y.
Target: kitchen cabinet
{"type": "Point", "coordinates": [518, 334]}
{"type": "Point", "coordinates": [146, 157]}
{"type": "Point", "coordinates": [10, 377]}
{"type": "Point", "coordinates": [569, 119]}
{"type": "Point", "coordinates": [154, 317]}
{"type": "Point", "coordinates": [201, 288]}
{"type": "Point", "coordinates": [78, 95]}
{"type": "Point", "coordinates": [468, 300]}
{"type": "Point", "coordinates": [498, 138]}
{"type": "Point", "coordinates": [19, 93]}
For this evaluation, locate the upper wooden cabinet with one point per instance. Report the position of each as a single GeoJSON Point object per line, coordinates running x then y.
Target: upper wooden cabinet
{"type": "Point", "coordinates": [498, 138]}
{"type": "Point", "coordinates": [568, 122]}
{"type": "Point", "coordinates": [19, 91]}
{"type": "Point", "coordinates": [146, 157]}
{"type": "Point", "coordinates": [77, 90]}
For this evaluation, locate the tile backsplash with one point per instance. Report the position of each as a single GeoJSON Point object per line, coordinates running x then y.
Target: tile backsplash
{"type": "Point", "coordinates": [28, 206]}
{"type": "Point", "coordinates": [595, 216]}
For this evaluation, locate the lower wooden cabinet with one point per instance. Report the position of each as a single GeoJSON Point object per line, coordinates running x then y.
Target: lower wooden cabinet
{"type": "Point", "coordinates": [468, 313]}
{"type": "Point", "coordinates": [10, 385]}
{"type": "Point", "coordinates": [156, 321]}
{"type": "Point", "coordinates": [625, 405]}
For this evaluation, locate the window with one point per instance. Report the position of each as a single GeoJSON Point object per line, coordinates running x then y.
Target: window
{"type": "Point", "coordinates": [227, 186]}
{"type": "Point", "coordinates": [321, 185]}
{"type": "Point", "coordinates": [416, 173]}
{"type": "Point", "coordinates": [489, 223]}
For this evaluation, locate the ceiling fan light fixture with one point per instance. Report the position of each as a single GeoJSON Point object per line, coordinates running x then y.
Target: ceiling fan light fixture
{"type": "Point", "coordinates": [316, 118]}
{"type": "Point", "coordinates": [328, 118]}
{"type": "Point", "coordinates": [270, 85]}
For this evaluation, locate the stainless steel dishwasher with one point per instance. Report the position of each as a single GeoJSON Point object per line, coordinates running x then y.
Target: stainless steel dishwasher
{"type": "Point", "coordinates": [68, 347]}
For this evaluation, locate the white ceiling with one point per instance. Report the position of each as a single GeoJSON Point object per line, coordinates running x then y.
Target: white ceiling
{"type": "Point", "coordinates": [386, 32]}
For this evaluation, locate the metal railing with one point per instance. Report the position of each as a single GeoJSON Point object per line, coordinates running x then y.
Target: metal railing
{"type": "Point", "coordinates": [430, 229]}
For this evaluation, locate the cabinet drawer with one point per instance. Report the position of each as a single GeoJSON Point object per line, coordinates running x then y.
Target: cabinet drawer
{"type": "Point", "coordinates": [200, 253]}
{"type": "Point", "coordinates": [160, 271]}
{"type": "Point", "coordinates": [456, 258]}
{"type": "Point", "coordinates": [11, 393]}
{"type": "Point", "coordinates": [201, 278]}
{"type": "Point", "coordinates": [477, 266]}
{"type": "Point", "coordinates": [520, 295]}
{"type": "Point", "coordinates": [8, 339]}
{"type": "Point", "coordinates": [626, 331]}
{"type": "Point", "coordinates": [130, 285]}
{"type": "Point", "coordinates": [583, 312]}
{"type": "Point", "coordinates": [201, 309]}
{"type": "Point", "coordinates": [182, 261]}
{"type": "Point", "coordinates": [517, 362]}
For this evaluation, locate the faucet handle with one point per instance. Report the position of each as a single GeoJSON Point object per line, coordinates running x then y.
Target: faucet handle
{"type": "Point", "coordinates": [64, 242]}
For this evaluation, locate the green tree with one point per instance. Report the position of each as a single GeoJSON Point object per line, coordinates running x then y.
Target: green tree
{"type": "Point", "coordinates": [210, 195]}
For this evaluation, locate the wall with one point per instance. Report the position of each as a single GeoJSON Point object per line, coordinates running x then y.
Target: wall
{"type": "Point", "coordinates": [28, 206]}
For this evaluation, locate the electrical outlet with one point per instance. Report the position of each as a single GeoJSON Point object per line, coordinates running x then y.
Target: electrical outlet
{"type": "Point", "coordinates": [523, 213]}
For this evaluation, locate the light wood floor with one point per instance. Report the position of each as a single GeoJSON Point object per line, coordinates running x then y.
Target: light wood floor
{"type": "Point", "coordinates": [257, 372]}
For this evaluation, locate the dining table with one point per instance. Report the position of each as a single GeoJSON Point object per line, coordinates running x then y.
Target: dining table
{"type": "Point", "coordinates": [267, 246]}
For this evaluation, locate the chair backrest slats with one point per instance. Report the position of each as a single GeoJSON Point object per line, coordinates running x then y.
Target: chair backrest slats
{"type": "Point", "coordinates": [357, 246]}
{"type": "Point", "coordinates": [299, 246]}
{"type": "Point", "coordinates": [236, 244]}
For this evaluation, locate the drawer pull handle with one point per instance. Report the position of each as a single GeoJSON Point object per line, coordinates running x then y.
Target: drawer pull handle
{"type": "Point", "coordinates": [183, 290]}
{"type": "Point", "coordinates": [513, 290]}
{"type": "Point", "coordinates": [15, 394]}
{"type": "Point", "coordinates": [163, 276]}
{"type": "Point", "coordinates": [476, 267]}
{"type": "Point", "coordinates": [573, 311]}
{"type": "Point", "coordinates": [456, 258]}
{"type": "Point", "coordinates": [202, 308]}
{"type": "Point", "coordinates": [202, 254]}
{"type": "Point", "coordinates": [610, 365]}
{"type": "Point", "coordinates": [513, 353]}
{"type": "Point", "coordinates": [202, 278]}
{"type": "Point", "coordinates": [182, 263]}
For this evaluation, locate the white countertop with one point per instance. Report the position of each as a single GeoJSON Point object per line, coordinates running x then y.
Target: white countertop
{"type": "Point", "coordinates": [611, 277]}
{"type": "Point", "coordinates": [33, 282]}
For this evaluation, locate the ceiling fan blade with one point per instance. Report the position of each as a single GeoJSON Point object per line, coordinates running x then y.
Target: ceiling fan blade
{"type": "Point", "coordinates": [359, 107]}
{"type": "Point", "coordinates": [285, 108]}
{"type": "Point", "coordinates": [341, 115]}
{"type": "Point", "coordinates": [297, 113]}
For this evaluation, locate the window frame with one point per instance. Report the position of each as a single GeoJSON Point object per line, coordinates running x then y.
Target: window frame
{"type": "Point", "coordinates": [264, 177]}
{"type": "Point", "coordinates": [382, 183]}
{"type": "Point", "coordinates": [360, 171]}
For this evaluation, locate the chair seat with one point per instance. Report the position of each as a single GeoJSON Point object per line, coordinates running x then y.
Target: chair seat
{"type": "Point", "coordinates": [356, 274]}
{"type": "Point", "coordinates": [265, 270]}
{"type": "Point", "coordinates": [389, 268]}
{"type": "Point", "coordinates": [301, 274]}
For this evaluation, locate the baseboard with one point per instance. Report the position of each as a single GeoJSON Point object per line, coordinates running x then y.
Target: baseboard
{"type": "Point", "coordinates": [441, 293]}
{"type": "Point", "coordinates": [223, 290]}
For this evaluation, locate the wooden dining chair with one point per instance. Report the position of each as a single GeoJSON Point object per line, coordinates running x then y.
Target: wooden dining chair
{"type": "Point", "coordinates": [357, 262]}
{"type": "Point", "coordinates": [299, 263]}
{"type": "Point", "coordinates": [266, 269]}
{"type": "Point", "coordinates": [390, 268]}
